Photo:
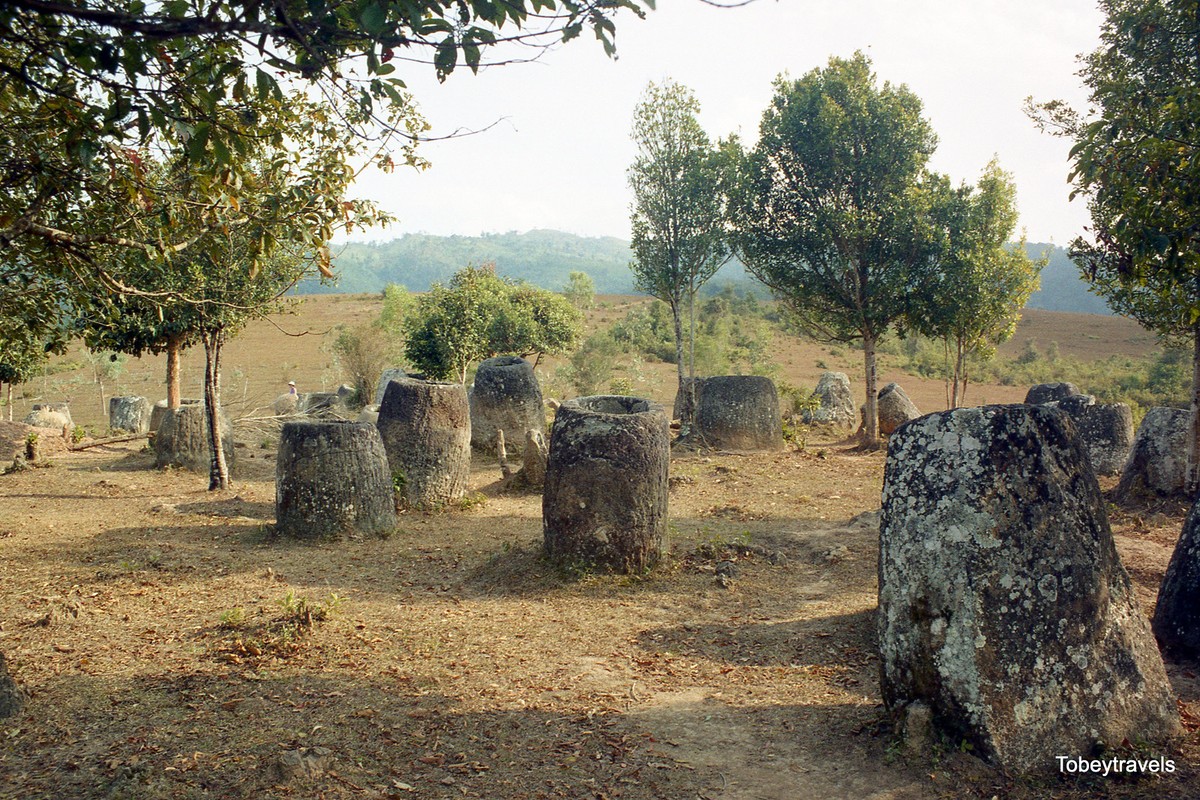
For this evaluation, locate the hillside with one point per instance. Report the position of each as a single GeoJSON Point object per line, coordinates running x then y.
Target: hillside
{"type": "Point", "coordinates": [546, 257]}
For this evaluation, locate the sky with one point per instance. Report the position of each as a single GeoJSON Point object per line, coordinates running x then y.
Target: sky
{"type": "Point", "coordinates": [558, 146]}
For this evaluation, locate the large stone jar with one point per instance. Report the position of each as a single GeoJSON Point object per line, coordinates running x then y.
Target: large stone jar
{"type": "Point", "coordinates": [605, 498]}
{"type": "Point", "coordinates": [426, 430]}
{"type": "Point", "coordinates": [506, 396]}
{"type": "Point", "coordinates": [332, 480]}
{"type": "Point", "coordinates": [182, 439]}
{"type": "Point", "coordinates": [739, 412]}
{"type": "Point", "coordinates": [130, 413]}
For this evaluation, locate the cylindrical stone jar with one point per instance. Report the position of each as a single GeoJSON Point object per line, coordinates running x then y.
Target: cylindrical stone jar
{"type": "Point", "coordinates": [506, 396]}
{"type": "Point", "coordinates": [332, 480]}
{"type": "Point", "coordinates": [605, 499]}
{"type": "Point", "coordinates": [426, 431]}
{"type": "Point", "coordinates": [739, 412]}
{"type": "Point", "coordinates": [182, 439]}
{"type": "Point", "coordinates": [130, 413]}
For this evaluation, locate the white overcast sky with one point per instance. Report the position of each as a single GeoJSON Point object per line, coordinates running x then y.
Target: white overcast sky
{"type": "Point", "coordinates": [558, 153]}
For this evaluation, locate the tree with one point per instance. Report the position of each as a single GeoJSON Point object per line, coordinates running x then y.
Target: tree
{"type": "Point", "coordinates": [580, 290]}
{"type": "Point", "coordinates": [31, 322]}
{"type": "Point", "coordinates": [85, 82]}
{"type": "Point", "coordinates": [479, 315]}
{"type": "Point", "coordinates": [1137, 163]}
{"type": "Point", "coordinates": [679, 238]}
{"type": "Point", "coordinates": [973, 296]}
{"type": "Point", "coordinates": [830, 210]}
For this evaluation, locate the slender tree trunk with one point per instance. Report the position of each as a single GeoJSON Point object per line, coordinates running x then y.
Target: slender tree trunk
{"type": "Point", "coordinates": [174, 346]}
{"type": "Point", "coordinates": [10, 419]}
{"type": "Point", "coordinates": [218, 474]}
{"type": "Point", "coordinates": [691, 386]}
{"type": "Point", "coordinates": [949, 374]}
{"type": "Point", "coordinates": [870, 434]}
{"type": "Point", "coordinates": [677, 318]}
{"type": "Point", "coordinates": [1192, 477]}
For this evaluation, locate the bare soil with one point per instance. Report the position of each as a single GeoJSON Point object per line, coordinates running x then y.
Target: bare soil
{"type": "Point", "coordinates": [173, 647]}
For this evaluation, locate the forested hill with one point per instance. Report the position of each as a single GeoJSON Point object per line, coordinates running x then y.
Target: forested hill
{"type": "Point", "coordinates": [545, 258]}
{"type": "Point", "coordinates": [1062, 288]}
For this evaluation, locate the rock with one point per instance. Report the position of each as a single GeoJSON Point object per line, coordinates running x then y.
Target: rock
{"type": "Point", "coordinates": [506, 396]}
{"type": "Point", "coordinates": [369, 415]}
{"type": "Point", "coordinates": [894, 408]}
{"type": "Point", "coordinates": [1003, 604]}
{"type": "Point", "coordinates": [11, 696]}
{"type": "Point", "coordinates": [1105, 428]}
{"type": "Point", "coordinates": [331, 480]}
{"type": "Point", "coordinates": [307, 763]}
{"type": "Point", "coordinates": [55, 408]}
{"type": "Point", "coordinates": [51, 420]}
{"type": "Point", "coordinates": [1158, 460]}
{"type": "Point", "coordinates": [321, 404]}
{"type": "Point", "coordinates": [1049, 392]}
{"type": "Point", "coordinates": [837, 402]}
{"type": "Point", "coordinates": [426, 430]}
{"type": "Point", "coordinates": [1176, 622]}
{"type": "Point", "coordinates": [130, 413]}
{"type": "Point", "coordinates": [286, 404]}
{"type": "Point", "coordinates": [738, 412]}
{"type": "Point", "coordinates": [605, 501]}
{"type": "Point", "coordinates": [390, 374]}
{"type": "Point", "coordinates": [918, 729]}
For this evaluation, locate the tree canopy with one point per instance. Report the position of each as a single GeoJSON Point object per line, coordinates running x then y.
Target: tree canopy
{"type": "Point", "coordinates": [830, 210]}
{"type": "Point", "coordinates": [1136, 161]}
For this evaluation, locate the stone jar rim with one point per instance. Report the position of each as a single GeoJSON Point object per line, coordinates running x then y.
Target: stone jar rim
{"type": "Point", "coordinates": [612, 405]}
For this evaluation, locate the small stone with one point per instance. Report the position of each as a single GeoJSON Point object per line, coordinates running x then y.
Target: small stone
{"type": "Point", "coordinates": [918, 729]}
{"type": "Point", "coordinates": [307, 763]}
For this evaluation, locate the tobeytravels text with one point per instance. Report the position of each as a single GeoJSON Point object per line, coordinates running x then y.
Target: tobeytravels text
{"type": "Point", "coordinates": [1108, 766]}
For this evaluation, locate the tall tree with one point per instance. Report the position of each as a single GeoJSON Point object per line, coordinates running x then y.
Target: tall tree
{"type": "Point", "coordinates": [1137, 161]}
{"type": "Point", "coordinates": [972, 297]}
{"type": "Point", "coordinates": [830, 211]}
{"type": "Point", "coordinates": [679, 237]}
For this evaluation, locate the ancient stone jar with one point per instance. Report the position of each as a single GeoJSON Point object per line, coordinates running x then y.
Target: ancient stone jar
{"type": "Point", "coordinates": [1004, 611]}
{"type": "Point", "coordinates": [1158, 459]}
{"type": "Point", "coordinates": [506, 396]}
{"type": "Point", "coordinates": [426, 430]}
{"type": "Point", "coordinates": [387, 376]}
{"type": "Point", "coordinates": [739, 412]}
{"type": "Point", "coordinates": [1176, 622]}
{"type": "Point", "coordinates": [605, 498]}
{"type": "Point", "coordinates": [160, 409]}
{"type": "Point", "coordinates": [332, 480]}
{"type": "Point", "coordinates": [836, 402]}
{"type": "Point", "coordinates": [1105, 428]}
{"type": "Point", "coordinates": [49, 415]}
{"type": "Point", "coordinates": [1049, 392]}
{"type": "Point", "coordinates": [130, 413]}
{"type": "Point", "coordinates": [182, 438]}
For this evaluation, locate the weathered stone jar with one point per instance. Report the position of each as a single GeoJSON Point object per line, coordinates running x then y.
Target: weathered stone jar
{"type": "Point", "coordinates": [506, 396]}
{"type": "Point", "coordinates": [332, 480]}
{"type": "Point", "coordinates": [182, 439]}
{"type": "Point", "coordinates": [605, 498]}
{"type": "Point", "coordinates": [426, 431]}
{"type": "Point", "coordinates": [130, 413]}
{"type": "Point", "coordinates": [1004, 610]}
{"type": "Point", "coordinates": [739, 412]}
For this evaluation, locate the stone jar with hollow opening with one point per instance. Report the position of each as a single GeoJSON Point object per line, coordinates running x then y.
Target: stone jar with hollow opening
{"type": "Point", "coordinates": [426, 431]}
{"type": "Point", "coordinates": [506, 396]}
{"type": "Point", "coordinates": [605, 498]}
{"type": "Point", "coordinates": [332, 480]}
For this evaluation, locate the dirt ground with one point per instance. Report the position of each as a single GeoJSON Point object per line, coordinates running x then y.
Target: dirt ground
{"type": "Point", "coordinates": [173, 648]}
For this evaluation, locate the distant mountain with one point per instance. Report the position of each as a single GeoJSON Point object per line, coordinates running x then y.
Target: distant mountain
{"type": "Point", "coordinates": [1062, 288]}
{"type": "Point", "coordinates": [545, 258]}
